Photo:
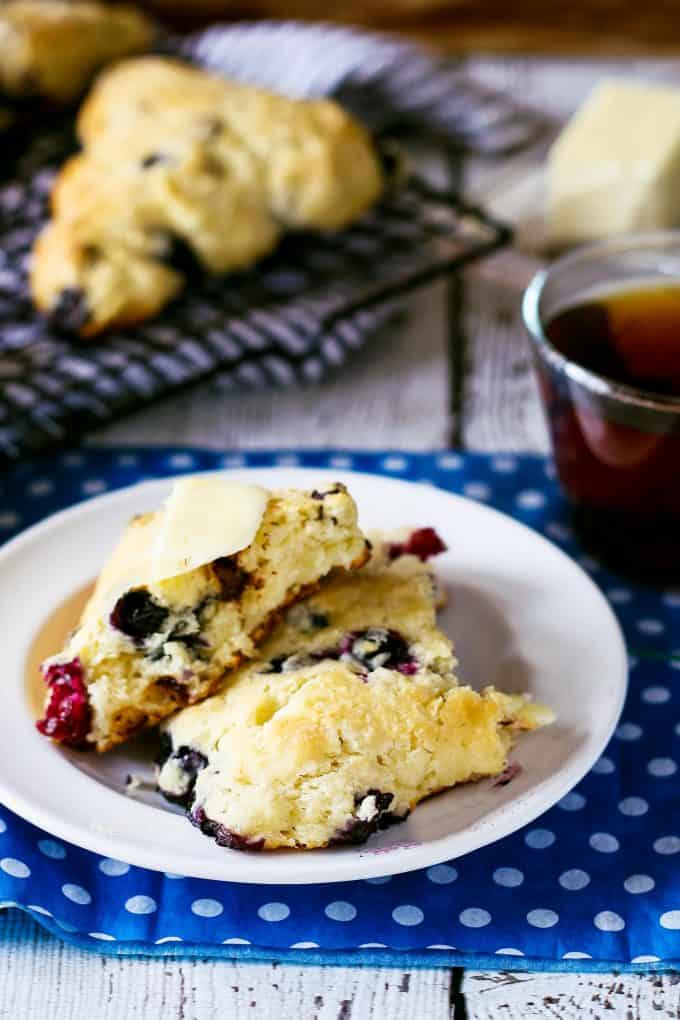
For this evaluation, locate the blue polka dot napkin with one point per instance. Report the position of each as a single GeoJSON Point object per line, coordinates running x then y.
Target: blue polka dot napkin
{"type": "Point", "coordinates": [593, 884]}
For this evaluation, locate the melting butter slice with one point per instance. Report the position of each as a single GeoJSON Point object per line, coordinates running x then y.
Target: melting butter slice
{"type": "Point", "coordinates": [205, 517]}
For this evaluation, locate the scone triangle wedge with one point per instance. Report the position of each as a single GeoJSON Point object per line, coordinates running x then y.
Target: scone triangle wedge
{"type": "Point", "coordinates": [350, 714]}
{"type": "Point", "coordinates": [186, 597]}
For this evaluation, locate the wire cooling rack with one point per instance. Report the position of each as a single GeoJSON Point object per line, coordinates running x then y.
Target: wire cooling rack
{"type": "Point", "coordinates": [298, 315]}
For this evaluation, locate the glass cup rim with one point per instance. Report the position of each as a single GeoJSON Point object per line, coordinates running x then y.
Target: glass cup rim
{"type": "Point", "coordinates": [590, 380]}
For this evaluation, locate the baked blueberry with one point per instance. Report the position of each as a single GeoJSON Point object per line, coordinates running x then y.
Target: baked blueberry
{"type": "Point", "coordinates": [137, 615]}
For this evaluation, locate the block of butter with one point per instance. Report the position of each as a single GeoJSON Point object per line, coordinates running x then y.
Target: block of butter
{"type": "Point", "coordinates": [615, 168]}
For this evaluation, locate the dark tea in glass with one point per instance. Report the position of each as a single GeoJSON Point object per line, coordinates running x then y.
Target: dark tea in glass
{"type": "Point", "coordinates": [608, 360]}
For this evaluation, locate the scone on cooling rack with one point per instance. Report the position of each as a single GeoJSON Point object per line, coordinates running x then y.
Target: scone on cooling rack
{"type": "Point", "coordinates": [179, 168]}
{"type": "Point", "coordinates": [185, 598]}
{"type": "Point", "coordinates": [350, 715]}
{"type": "Point", "coordinates": [52, 48]}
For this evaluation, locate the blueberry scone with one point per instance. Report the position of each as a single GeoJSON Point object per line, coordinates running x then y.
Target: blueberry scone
{"type": "Point", "coordinates": [52, 48]}
{"type": "Point", "coordinates": [180, 167]}
{"type": "Point", "coordinates": [185, 598]}
{"type": "Point", "coordinates": [350, 715]}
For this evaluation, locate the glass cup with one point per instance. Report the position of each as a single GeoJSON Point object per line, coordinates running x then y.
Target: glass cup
{"type": "Point", "coordinates": [616, 447]}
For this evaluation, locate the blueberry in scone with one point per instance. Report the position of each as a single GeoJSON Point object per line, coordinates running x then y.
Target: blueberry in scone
{"type": "Point", "coordinates": [182, 601]}
{"type": "Point", "coordinates": [52, 48]}
{"type": "Point", "coordinates": [182, 168]}
{"type": "Point", "coordinates": [350, 715]}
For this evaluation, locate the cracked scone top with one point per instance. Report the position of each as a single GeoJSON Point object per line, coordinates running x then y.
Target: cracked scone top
{"type": "Point", "coordinates": [52, 48]}
{"type": "Point", "coordinates": [144, 649]}
{"type": "Point", "coordinates": [181, 165]}
{"type": "Point", "coordinates": [350, 715]}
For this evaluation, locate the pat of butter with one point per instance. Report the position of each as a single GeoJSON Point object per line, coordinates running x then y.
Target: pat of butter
{"type": "Point", "coordinates": [615, 168]}
{"type": "Point", "coordinates": [205, 517]}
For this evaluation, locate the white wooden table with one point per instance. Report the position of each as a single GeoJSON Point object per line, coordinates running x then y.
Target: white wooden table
{"type": "Point", "coordinates": [396, 393]}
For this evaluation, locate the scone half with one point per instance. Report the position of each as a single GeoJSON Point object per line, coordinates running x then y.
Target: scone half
{"type": "Point", "coordinates": [144, 649]}
{"type": "Point", "coordinates": [350, 715]}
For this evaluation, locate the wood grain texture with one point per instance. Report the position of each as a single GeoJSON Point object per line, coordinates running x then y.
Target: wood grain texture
{"type": "Point", "coordinates": [510, 996]}
{"type": "Point", "coordinates": [43, 979]}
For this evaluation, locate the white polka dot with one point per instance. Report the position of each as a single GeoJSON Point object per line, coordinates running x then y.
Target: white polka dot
{"type": "Point", "coordinates": [604, 842]}
{"type": "Point", "coordinates": [172, 876]}
{"type": "Point", "coordinates": [113, 868]}
{"type": "Point", "coordinates": [572, 801]}
{"type": "Point", "coordinates": [168, 938]}
{"type": "Point", "coordinates": [305, 945]}
{"type": "Point", "coordinates": [408, 915]}
{"type": "Point", "coordinates": [508, 877]}
{"type": "Point", "coordinates": [288, 460]}
{"type": "Point", "coordinates": [661, 768]}
{"type": "Point", "coordinates": [671, 599]}
{"type": "Point", "coordinates": [442, 874]}
{"type": "Point", "coordinates": [65, 926]}
{"type": "Point", "coordinates": [9, 519]}
{"type": "Point", "coordinates": [667, 845]}
{"type": "Point", "coordinates": [73, 459]}
{"type": "Point", "coordinates": [530, 499]}
{"type": "Point", "coordinates": [645, 959]}
{"type": "Point", "coordinates": [379, 880]}
{"type": "Point", "coordinates": [549, 470]}
{"type": "Point", "coordinates": [273, 911]}
{"type": "Point", "coordinates": [235, 942]}
{"type": "Point", "coordinates": [39, 910]}
{"type": "Point", "coordinates": [588, 563]}
{"type": "Point", "coordinates": [101, 936]}
{"type": "Point", "coordinates": [674, 661]}
{"type": "Point", "coordinates": [14, 868]}
{"type": "Point", "coordinates": [574, 955]}
{"type": "Point", "coordinates": [8, 903]}
{"type": "Point", "coordinates": [52, 849]}
{"type": "Point", "coordinates": [628, 731]}
{"type": "Point", "coordinates": [94, 485]}
{"type": "Point", "coordinates": [76, 894]}
{"type": "Point", "coordinates": [539, 839]}
{"type": "Point", "coordinates": [140, 905]}
{"type": "Point", "coordinates": [474, 917]}
{"type": "Point", "coordinates": [559, 531]}
{"type": "Point", "coordinates": [542, 918]}
{"type": "Point", "coordinates": [339, 910]}
{"type": "Point", "coordinates": [670, 920]}
{"type": "Point", "coordinates": [650, 627]}
{"type": "Point", "coordinates": [656, 695]}
{"type": "Point", "coordinates": [3, 826]}
{"type": "Point", "coordinates": [450, 461]}
{"type": "Point", "coordinates": [619, 595]}
{"type": "Point", "coordinates": [127, 460]}
{"type": "Point", "coordinates": [504, 465]}
{"type": "Point", "coordinates": [440, 945]}
{"type": "Point", "coordinates": [395, 463]}
{"type": "Point", "coordinates": [41, 487]}
{"type": "Point", "coordinates": [206, 908]}
{"type": "Point", "coordinates": [372, 945]}
{"type": "Point", "coordinates": [234, 461]}
{"type": "Point", "coordinates": [633, 806]}
{"type": "Point", "coordinates": [509, 951]}
{"type": "Point", "coordinates": [639, 884]}
{"type": "Point", "coordinates": [477, 490]}
{"type": "Point", "coordinates": [181, 460]}
{"type": "Point", "coordinates": [603, 766]}
{"type": "Point", "coordinates": [607, 920]}
{"type": "Point", "coordinates": [676, 729]}
{"type": "Point", "coordinates": [574, 879]}
{"type": "Point", "coordinates": [632, 662]}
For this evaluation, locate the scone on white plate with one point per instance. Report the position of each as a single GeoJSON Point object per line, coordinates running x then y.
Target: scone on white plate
{"type": "Point", "coordinates": [181, 166]}
{"type": "Point", "coordinates": [350, 715]}
{"type": "Point", "coordinates": [186, 597]}
{"type": "Point", "coordinates": [52, 48]}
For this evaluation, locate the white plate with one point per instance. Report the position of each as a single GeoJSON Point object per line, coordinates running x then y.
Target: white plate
{"type": "Point", "coordinates": [522, 614]}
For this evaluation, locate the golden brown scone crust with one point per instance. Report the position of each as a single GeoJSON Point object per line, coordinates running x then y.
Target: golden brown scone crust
{"type": "Point", "coordinates": [174, 154]}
